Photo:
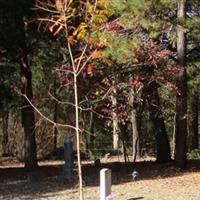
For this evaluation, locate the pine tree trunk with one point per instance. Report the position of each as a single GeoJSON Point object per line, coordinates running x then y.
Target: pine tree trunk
{"type": "Point", "coordinates": [28, 116]}
{"type": "Point", "coordinates": [14, 14]}
{"type": "Point", "coordinates": [195, 120]}
{"type": "Point", "coordinates": [181, 99]}
{"type": "Point", "coordinates": [156, 116]}
{"type": "Point", "coordinates": [27, 111]}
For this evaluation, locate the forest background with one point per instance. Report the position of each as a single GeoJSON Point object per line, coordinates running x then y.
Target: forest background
{"type": "Point", "coordinates": [114, 76]}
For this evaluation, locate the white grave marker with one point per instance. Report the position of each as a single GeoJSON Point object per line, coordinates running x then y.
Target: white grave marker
{"type": "Point", "coordinates": [105, 184]}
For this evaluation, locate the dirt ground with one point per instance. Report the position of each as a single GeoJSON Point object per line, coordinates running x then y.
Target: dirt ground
{"type": "Point", "coordinates": [156, 181]}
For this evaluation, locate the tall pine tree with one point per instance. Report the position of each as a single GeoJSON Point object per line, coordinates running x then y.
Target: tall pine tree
{"type": "Point", "coordinates": [13, 40]}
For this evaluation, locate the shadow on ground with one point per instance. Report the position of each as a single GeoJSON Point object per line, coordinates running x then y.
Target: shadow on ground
{"type": "Point", "coordinates": [16, 183]}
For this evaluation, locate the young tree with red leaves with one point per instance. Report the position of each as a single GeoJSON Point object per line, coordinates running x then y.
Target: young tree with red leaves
{"type": "Point", "coordinates": [73, 23]}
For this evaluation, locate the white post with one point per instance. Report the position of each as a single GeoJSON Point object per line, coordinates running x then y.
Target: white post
{"type": "Point", "coordinates": [105, 183]}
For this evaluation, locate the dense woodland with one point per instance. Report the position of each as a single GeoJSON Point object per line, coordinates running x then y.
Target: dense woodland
{"type": "Point", "coordinates": [115, 76]}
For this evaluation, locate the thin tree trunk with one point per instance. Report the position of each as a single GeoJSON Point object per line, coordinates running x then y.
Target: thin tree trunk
{"type": "Point", "coordinates": [123, 137]}
{"type": "Point", "coordinates": [90, 135]}
{"type": "Point", "coordinates": [195, 120]}
{"type": "Point", "coordinates": [181, 99]}
{"type": "Point", "coordinates": [78, 138]}
{"type": "Point", "coordinates": [173, 137]}
{"type": "Point", "coordinates": [55, 130]}
{"type": "Point", "coordinates": [156, 116]}
{"type": "Point", "coordinates": [135, 133]}
{"type": "Point", "coordinates": [55, 118]}
{"type": "Point", "coordinates": [115, 122]}
{"type": "Point", "coordinates": [135, 136]}
{"type": "Point", "coordinates": [5, 133]}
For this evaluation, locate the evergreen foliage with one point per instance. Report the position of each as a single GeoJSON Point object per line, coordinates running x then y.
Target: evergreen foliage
{"type": "Point", "coordinates": [132, 45]}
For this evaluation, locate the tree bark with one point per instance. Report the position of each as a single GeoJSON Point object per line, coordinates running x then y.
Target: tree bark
{"type": "Point", "coordinates": [27, 113]}
{"type": "Point", "coordinates": [123, 127]}
{"type": "Point", "coordinates": [156, 116]}
{"type": "Point", "coordinates": [78, 138]}
{"type": "Point", "coordinates": [115, 122]}
{"type": "Point", "coordinates": [5, 118]}
{"type": "Point", "coordinates": [90, 136]}
{"type": "Point", "coordinates": [135, 135]}
{"type": "Point", "coordinates": [195, 120]}
{"type": "Point", "coordinates": [55, 119]}
{"type": "Point", "coordinates": [55, 130]}
{"type": "Point", "coordinates": [14, 13]}
{"type": "Point", "coordinates": [181, 98]}
{"type": "Point", "coordinates": [135, 132]}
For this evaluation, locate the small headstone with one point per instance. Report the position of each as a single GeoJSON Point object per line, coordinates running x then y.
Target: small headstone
{"type": "Point", "coordinates": [105, 184]}
{"type": "Point", "coordinates": [97, 163]}
{"type": "Point", "coordinates": [68, 158]}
